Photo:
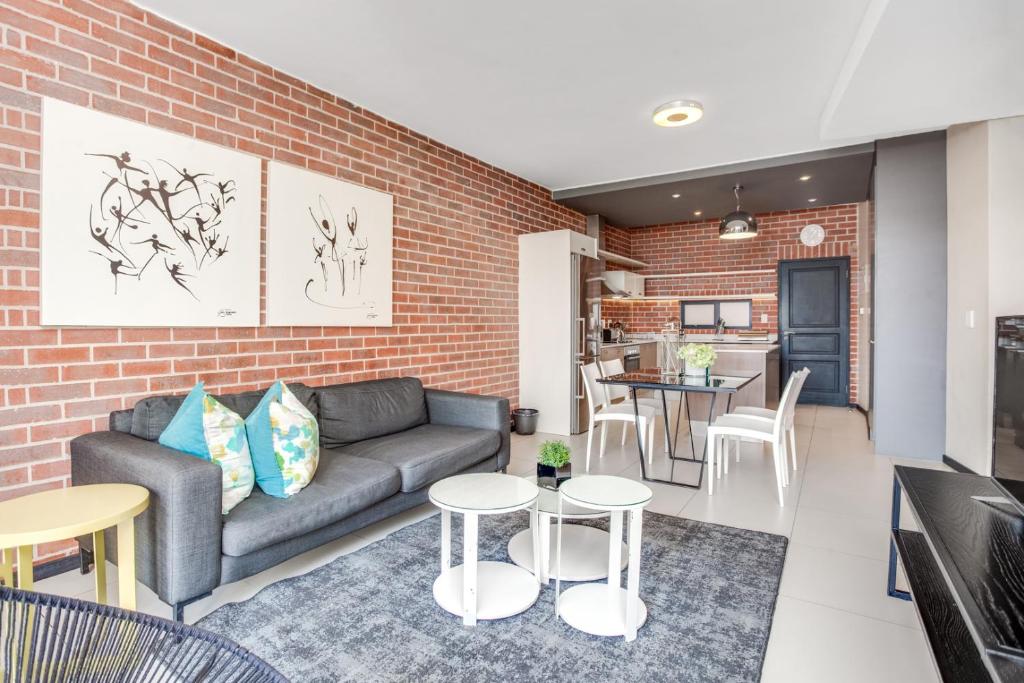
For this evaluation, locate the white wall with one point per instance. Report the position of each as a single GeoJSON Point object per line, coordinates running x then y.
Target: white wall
{"type": "Point", "coordinates": [985, 177]}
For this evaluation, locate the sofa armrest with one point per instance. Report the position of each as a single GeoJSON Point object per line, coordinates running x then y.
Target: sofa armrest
{"type": "Point", "coordinates": [178, 537]}
{"type": "Point", "coordinates": [470, 410]}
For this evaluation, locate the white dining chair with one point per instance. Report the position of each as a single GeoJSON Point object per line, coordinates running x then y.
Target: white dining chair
{"type": "Point", "coordinates": [620, 394]}
{"type": "Point", "coordinates": [756, 429]}
{"type": "Point", "coordinates": [797, 381]}
{"type": "Point", "coordinates": [603, 411]}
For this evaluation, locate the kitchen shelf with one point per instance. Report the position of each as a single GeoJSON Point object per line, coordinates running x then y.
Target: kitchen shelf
{"type": "Point", "coordinates": [666, 276]}
{"type": "Point", "coordinates": [621, 260]}
{"type": "Point", "coordinates": [687, 297]}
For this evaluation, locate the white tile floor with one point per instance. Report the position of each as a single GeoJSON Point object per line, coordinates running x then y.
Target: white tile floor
{"type": "Point", "coordinates": [833, 620]}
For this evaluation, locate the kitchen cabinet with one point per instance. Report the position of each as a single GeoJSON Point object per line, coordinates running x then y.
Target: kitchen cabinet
{"type": "Point", "coordinates": [743, 360]}
{"type": "Point", "coordinates": [649, 355]}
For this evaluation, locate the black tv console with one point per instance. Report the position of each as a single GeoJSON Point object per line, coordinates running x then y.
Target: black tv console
{"type": "Point", "coordinates": [965, 570]}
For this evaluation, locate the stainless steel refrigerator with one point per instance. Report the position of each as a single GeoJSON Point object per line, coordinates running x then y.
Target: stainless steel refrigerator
{"type": "Point", "coordinates": [586, 336]}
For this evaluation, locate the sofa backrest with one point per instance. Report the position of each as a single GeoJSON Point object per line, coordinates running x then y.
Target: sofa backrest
{"type": "Point", "coordinates": [363, 410]}
{"type": "Point", "coordinates": [152, 415]}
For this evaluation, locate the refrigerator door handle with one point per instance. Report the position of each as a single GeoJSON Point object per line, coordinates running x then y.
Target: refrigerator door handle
{"type": "Point", "coordinates": [579, 380]}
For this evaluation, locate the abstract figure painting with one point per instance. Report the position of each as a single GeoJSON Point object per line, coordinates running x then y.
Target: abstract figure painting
{"type": "Point", "coordinates": [142, 227]}
{"type": "Point", "coordinates": [328, 250]}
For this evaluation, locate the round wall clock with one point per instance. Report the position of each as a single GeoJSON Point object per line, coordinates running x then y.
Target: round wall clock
{"type": "Point", "coordinates": [812, 235]}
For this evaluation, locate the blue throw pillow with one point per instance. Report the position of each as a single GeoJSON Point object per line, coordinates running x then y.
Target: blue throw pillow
{"type": "Point", "coordinates": [261, 443]}
{"type": "Point", "coordinates": [185, 430]}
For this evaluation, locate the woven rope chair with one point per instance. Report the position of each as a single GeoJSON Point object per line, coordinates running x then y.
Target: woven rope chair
{"type": "Point", "coordinates": [50, 638]}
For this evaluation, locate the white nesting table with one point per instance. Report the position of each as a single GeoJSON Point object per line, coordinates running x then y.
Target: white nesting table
{"type": "Point", "coordinates": [481, 590]}
{"type": "Point", "coordinates": [584, 548]}
{"type": "Point", "coordinates": [606, 609]}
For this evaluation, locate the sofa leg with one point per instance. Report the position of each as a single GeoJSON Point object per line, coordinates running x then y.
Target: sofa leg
{"type": "Point", "coordinates": [504, 470]}
{"type": "Point", "coordinates": [179, 607]}
{"type": "Point", "coordinates": [85, 559]}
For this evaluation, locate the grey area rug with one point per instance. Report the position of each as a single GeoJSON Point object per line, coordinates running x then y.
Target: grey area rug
{"type": "Point", "coordinates": [370, 616]}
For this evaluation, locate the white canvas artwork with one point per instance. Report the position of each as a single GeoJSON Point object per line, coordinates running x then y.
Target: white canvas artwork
{"type": "Point", "coordinates": [328, 250]}
{"type": "Point", "coordinates": [142, 227]}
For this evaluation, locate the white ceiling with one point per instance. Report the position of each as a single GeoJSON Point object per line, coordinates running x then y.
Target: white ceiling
{"type": "Point", "coordinates": [561, 91]}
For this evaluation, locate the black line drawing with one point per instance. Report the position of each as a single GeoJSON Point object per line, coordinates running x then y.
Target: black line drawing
{"type": "Point", "coordinates": [342, 260]}
{"type": "Point", "coordinates": [186, 230]}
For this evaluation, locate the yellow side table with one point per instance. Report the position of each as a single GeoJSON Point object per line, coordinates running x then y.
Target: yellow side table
{"type": "Point", "coordinates": [66, 513]}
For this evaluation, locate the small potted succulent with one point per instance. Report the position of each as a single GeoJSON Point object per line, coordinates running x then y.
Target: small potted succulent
{"type": "Point", "coordinates": [698, 358]}
{"type": "Point", "coordinates": [553, 467]}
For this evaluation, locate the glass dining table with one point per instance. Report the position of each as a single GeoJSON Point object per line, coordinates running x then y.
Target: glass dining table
{"type": "Point", "coordinates": [658, 380]}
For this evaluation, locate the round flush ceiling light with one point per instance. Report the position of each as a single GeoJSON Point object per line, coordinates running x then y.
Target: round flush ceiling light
{"type": "Point", "coordinates": [678, 113]}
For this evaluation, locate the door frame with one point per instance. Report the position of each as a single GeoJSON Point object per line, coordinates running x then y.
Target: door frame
{"type": "Point", "coordinates": [847, 326]}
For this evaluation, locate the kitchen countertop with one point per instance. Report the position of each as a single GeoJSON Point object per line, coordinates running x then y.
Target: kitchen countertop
{"type": "Point", "coordinates": [743, 347]}
{"type": "Point", "coordinates": [614, 345]}
{"type": "Point", "coordinates": [722, 346]}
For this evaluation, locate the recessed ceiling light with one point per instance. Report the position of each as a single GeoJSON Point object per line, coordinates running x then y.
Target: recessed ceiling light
{"type": "Point", "coordinates": [697, 213]}
{"type": "Point", "coordinates": [813, 199]}
{"type": "Point", "coordinates": [676, 196]}
{"type": "Point", "coordinates": [678, 113]}
{"type": "Point", "coordinates": [805, 178]}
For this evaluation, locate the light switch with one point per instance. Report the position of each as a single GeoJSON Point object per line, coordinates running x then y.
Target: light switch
{"type": "Point", "coordinates": [764, 317]}
{"type": "Point", "coordinates": [970, 319]}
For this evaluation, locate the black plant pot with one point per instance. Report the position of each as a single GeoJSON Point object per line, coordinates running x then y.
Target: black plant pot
{"type": "Point", "coordinates": [553, 477]}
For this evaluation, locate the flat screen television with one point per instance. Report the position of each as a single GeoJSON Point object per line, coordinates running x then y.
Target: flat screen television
{"type": "Point", "coordinates": [1008, 413]}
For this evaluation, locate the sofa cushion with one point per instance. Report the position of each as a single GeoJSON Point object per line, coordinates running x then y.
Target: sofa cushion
{"type": "Point", "coordinates": [343, 485]}
{"type": "Point", "coordinates": [364, 410]}
{"type": "Point", "coordinates": [428, 453]}
{"type": "Point", "coordinates": [152, 415]}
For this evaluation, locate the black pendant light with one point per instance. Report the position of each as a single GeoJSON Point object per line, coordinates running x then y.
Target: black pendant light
{"type": "Point", "coordinates": [738, 225]}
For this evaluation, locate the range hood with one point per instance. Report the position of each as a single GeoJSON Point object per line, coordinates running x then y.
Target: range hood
{"type": "Point", "coordinates": [621, 283]}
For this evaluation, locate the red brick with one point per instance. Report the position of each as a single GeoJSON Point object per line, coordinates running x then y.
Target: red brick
{"type": "Point", "coordinates": [119, 352]}
{"type": "Point", "coordinates": [59, 392]}
{"type": "Point", "coordinates": [102, 406]}
{"type": "Point", "coordinates": [12, 376]}
{"type": "Point", "coordinates": [60, 430]}
{"type": "Point", "coordinates": [59, 354]}
{"type": "Point", "coordinates": [144, 368]}
{"type": "Point", "coordinates": [28, 415]}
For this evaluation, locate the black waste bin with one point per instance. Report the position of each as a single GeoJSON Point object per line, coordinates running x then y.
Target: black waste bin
{"type": "Point", "coordinates": [526, 420]}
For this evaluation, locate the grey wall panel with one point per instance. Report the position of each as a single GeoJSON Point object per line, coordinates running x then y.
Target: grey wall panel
{"type": "Point", "coordinates": [910, 296]}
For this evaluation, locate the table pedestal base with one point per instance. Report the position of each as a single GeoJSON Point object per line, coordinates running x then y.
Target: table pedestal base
{"type": "Point", "coordinates": [598, 609]}
{"type": "Point", "coordinates": [503, 590]}
{"type": "Point", "coordinates": [584, 552]}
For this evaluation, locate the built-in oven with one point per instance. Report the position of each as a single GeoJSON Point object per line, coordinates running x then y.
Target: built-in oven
{"type": "Point", "coordinates": [631, 358]}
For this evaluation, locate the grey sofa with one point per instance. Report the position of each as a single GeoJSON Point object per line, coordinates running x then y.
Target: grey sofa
{"type": "Point", "coordinates": [383, 443]}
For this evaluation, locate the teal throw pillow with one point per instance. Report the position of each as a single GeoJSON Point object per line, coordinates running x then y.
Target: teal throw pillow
{"type": "Point", "coordinates": [185, 430]}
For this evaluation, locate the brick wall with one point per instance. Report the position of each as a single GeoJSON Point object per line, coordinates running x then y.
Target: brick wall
{"type": "Point", "coordinates": [456, 221]}
{"type": "Point", "coordinates": [694, 247]}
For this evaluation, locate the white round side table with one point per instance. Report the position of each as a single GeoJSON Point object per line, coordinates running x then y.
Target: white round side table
{"type": "Point", "coordinates": [584, 548]}
{"type": "Point", "coordinates": [606, 609]}
{"type": "Point", "coordinates": [481, 590]}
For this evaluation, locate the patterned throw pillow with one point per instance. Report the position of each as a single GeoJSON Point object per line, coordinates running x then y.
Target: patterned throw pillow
{"type": "Point", "coordinates": [296, 443]}
{"type": "Point", "coordinates": [225, 437]}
